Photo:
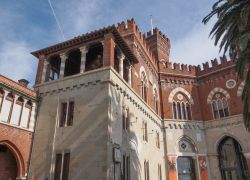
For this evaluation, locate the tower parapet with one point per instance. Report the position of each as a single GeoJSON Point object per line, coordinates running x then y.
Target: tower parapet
{"type": "Point", "coordinates": [130, 27]}
{"type": "Point", "coordinates": [159, 44]}
{"type": "Point", "coordinates": [216, 65]}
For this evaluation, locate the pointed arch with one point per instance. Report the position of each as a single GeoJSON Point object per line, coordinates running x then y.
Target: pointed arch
{"type": "Point", "coordinates": [240, 88]}
{"type": "Point", "coordinates": [18, 157]}
{"type": "Point", "coordinates": [225, 135]}
{"type": "Point", "coordinates": [215, 90]}
{"type": "Point", "coordinates": [182, 90]}
{"type": "Point", "coordinates": [188, 140]}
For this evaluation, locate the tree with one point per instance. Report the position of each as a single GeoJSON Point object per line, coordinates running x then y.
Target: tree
{"type": "Point", "coordinates": [232, 32]}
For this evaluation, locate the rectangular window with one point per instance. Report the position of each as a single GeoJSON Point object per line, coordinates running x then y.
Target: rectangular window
{"type": "Point", "coordinates": [70, 113]}
{"type": "Point", "coordinates": [159, 172]}
{"type": "Point", "coordinates": [158, 140]}
{"type": "Point", "coordinates": [145, 132]}
{"type": "Point", "coordinates": [63, 114]}
{"type": "Point", "coordinates": [125, 120]}
{"type": "Point", "coordinates": [62, 166]}
{"type": "Point", "coordinates": [126, 167]}
{"type": "Point", "coordinates": [67, 114]}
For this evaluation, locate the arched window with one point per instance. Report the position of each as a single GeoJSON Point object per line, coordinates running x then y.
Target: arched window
{"type": "Point", "coordinates": [232, 162]}
{"type": "Point", "coordinates": [155, 99]}
{"type": "Point", "coordinates": [144, 90]}
{"type": "Point", "coordinates": [181, 107]}
{"type": "Point", "coordinates": [219, 106]}
{"type": "Point", "coordinates": [26, 114]}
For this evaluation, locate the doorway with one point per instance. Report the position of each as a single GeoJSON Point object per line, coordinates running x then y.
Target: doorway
{"type": "Point", "coordinates": [232, 162]}
{"type": "Point", "coordinates": [8, 164]}
{"type": "Point", "coordinates": [186, 168]}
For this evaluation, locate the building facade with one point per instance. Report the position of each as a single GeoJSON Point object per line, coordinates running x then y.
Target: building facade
{"type": "Point", "coordinates": [112, 106]}
{"type": "Point", "coordinates": [17, 120]}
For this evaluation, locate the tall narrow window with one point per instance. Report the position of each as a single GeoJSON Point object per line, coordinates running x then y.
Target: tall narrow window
{"type": "Point", "coordinates": [63, 114]}
{"type": "Point", "coordinates": [62, 166]}
{"type": "Point", "coordinates": [125, 119]}
{"type": "Point", "coordinates": [146, 170]}
{"type": "Point", "coordinates": [179, 110]}
{"type": "Point", "coordinates": [57, 173]}
{"type": "Point", "coordinates": [145, 131]}
{"type": "Point", "coordinates": [157, 140]}
{"type": "Point", "coordinates": [219, 106]}
{"type": "Point", "coordinates": [144, 86]}
{"type": "Point", "coordinates": [174, 110]}
{"type": "Point", "coordinates": [126, 167]}
{"type": "Point", "coordinates": [67, 114]}
{"type": "Point", "coordinates": [181, 107]}
{"type": "Point", "coordinates": [70, 113]}
{"type": "Point", "coordinates": [159, 172]}
{"type": "Point", "coordinates": [188, 107]}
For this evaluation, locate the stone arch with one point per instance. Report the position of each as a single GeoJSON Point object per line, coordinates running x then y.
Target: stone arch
{"type": "Point", "coordinates": [142, 69]}
{"type": "Point", "coordinates": [225, 135]}
{"type": "Point", "coordinates": [18, 157]}
{"type": "Point", "coordinates": [215, 90]}
{"type": "Point", "coordinates": [240, 88]}
{"type": "Point", "coordinates": [182, 90]}
{"type": "Point", "coordinates": [188, 140]}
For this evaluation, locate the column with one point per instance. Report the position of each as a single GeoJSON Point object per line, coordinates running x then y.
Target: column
{"type": "Point", "coordinates": [130, 74]}
{"type": "Point", "coordinates": [121, 59]}
{"type": "Point", "coordinates": [63, 57]}
{"type": "Point", "coordinates": [44, 71]}
{"type": "Point", "coordinates": [84, 51]}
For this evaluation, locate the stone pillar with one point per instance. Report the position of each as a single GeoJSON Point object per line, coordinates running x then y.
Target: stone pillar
{"type": "Point", "coordinates": [63, 57]}
{"type": "Point", "coordinates": [121, 59]}
{"type": "Point", "coordinates": [84, 51]}
{"type": "Point", "coordinates": [45, 65]}
{"type": "Point", "coordinates": [130, 74]}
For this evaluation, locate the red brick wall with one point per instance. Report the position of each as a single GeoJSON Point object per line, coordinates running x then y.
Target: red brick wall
{"type": "Point", "coordinates": [19, 141]}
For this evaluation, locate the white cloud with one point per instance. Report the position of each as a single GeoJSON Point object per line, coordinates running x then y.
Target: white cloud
{"type": "Point", "coordinates": [16, 62]}
{"type": "Point", "coordinates": [196, 47]}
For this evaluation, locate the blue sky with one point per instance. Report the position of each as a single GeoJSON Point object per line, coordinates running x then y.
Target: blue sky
{"type": "Point", "coordinates": [28, 25]}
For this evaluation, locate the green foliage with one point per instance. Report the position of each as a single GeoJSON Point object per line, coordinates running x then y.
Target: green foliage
{"type": "Point", "coordinates": [231, 32]}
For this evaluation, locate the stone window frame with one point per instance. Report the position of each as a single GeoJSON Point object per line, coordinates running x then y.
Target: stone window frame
{"type": "Point", "coordinates": [62, 166]}
{"type": "Point", "coordinates": [184, 112]}
{"type": "Point", "coordinates": [64, 117]}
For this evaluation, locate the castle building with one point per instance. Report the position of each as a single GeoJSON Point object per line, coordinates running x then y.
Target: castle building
{"type": "Point", "coordinates": [17, 120]}
{"type": "Point", "coordinates": [113, 107]}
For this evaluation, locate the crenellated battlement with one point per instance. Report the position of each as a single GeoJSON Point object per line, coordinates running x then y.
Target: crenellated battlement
{"type": "Point", "coordinates": [131, 27]}
{"type": "Point", "coordinates": [215, 65]}
{"type": "Point", "coordinates": [178, 68]}
{"type": "Point", "coordinates": [156, 31]}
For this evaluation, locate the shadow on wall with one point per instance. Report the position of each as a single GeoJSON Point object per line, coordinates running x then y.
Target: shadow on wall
{"type": "Point", "coordinates": [128, 141]}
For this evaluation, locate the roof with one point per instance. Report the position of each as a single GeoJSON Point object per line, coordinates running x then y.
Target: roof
{"type": "Point", "coordinates": [16, 86]}
{"type": "Point", "coordinates": [87, 37]}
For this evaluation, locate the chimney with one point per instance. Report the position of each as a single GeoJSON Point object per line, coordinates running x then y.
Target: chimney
{"type": "Point", "coordinates": [23, 82]}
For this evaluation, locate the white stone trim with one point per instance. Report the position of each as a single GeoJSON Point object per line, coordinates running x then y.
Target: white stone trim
{"type": "Point", "coordinates": [182, 90]}
{"type": "Point", "coordinates": [240, 88]}
{"type": "Point", "coordinates": [215, 90]}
